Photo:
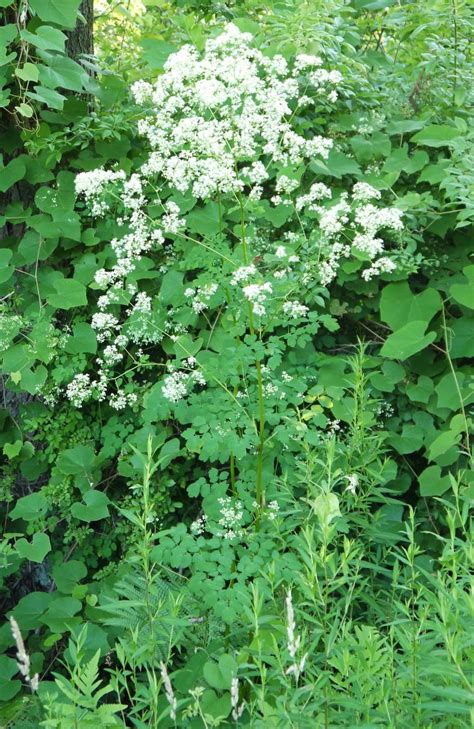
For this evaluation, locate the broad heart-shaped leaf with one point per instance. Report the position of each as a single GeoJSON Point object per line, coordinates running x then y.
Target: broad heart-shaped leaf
{"type": "Point", "coordinates": [47, 96]}
{"type": "Point", "coordinates": [11, 173]}
{"type": "Point", "coordinates": [8, 669]}
{"type": "Point", "coordinates": [407, 341]}
{"type": "Point", "coordinates": [399, 306]}
{"type": "Point", "coordinates": [436, 135]}
{"type": "Point", "coordinates": [83, 339]}
{"type": "Point", "coordinates": [67, 574]}
{"type": "Point", "coordinates": [6, 270]}
{"type": "Point", "coordinates": [36, 550]}
{"type": "Point", "coordinates": [30, 609]}
{"type": "Point", "coordinates": [76, 461]}
{"type": "Point", "coordinates": [45, 38]}
{"type": "Point", "coordinates": [59, 12]}
{"type": "Point", "coordinates": [155, 52]}
{"type": "Point", "coordinates": [462, 332]}
{"type": "Point", "coordinates": [432, 483]}
{"type": "Point", "coordinates": [216, 707]}
{"type": "Point", "coordinates": [59, 615]}
{"type": "Point", "coordinates": [12, 450]}
{"type": "Point", "coordinates": [442, 443]}
{"type": "Point", "coordinates": [204, 221]}
{"type": "Point", "coordinates": [463, 293]}
{"type": "Point", "coordinates": [28, 72]}
{"type": "Point", "coordinates": [94, 508]}
{"type": "Point", "coordinates": [185, 346]}
{"type": "Point", "coordinates": [70, 293]}
{"type": "Point", "coordinates": [338, 164]}
{"type": "Point", "coordinates": [220, 675]}
{"type": "Point", "coordinates": [30, 507]}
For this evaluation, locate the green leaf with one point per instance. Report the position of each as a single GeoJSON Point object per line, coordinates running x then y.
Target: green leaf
{"type": "Point", "coordinates": [45, 38]}
{"type": "Point", "coordinates": [7, 34]}
{"type": "Point", "coordinates": [59, 615]}
{"type": "Point", "coordinates": [204, 221]}
{"type": "Point", "coordinates": [12, 450]}
{"type": "Point", "coordinates": [398, 306]}
{"type": "Point", "coordinates": [185, 346]}
{"type": "Point", "coordinates": [25, 110]}
{"type": "Point", "coordinates": [30, 608]}
{"type": "Point", "coordinates": [326, 508]}
{"type": "Point", "coordinates": [432, 483]}
{"type": "Point", "coordinates": [409, 441]}
{"type": "Point", "coordinates": [36, 550]}
{"type": "Point", "coordinates": [436, 135]}
{"type": "Point", "coordinates": [172, 289]}
{"type": "Point", "coordinates": [463, 293]}
{"type": "Point", "coordinates": [461, 334]}
{"type": "Point", "coordinates": [8, 669]}
{"type": "Point", "coordinates": [6, 270]}
{"type": "Point", "coordinates": [28, 72]}
{"type": "Point", "coordinates": [11, 173]}
{"type": "Point", "coordinates": [60, 12]}
{"type": "Point", "coordinates": [76, 461]}
{"type": "Point", "coordinates": [408, 340]}
{"type": "Point", "coordinates": [68, 574]}
{"type": "Point", "coordinates": [404, 126]}
{"type": "Point", "coordinates": [442, 443]}
{"type": "Point", "coordinates": [94, 508]}
{"type": "Point", "coordinates": [64, 73]}
{"type": "Point", "coordinates": [30, 507]}
{"type": "Point", "coordinates": [170, 451]}
{"type": "Point", "coordinates": [155, 52]}
{"type": "Point", "coordinates": [277, 215]}
{"type": "Point", "coordinates": [83, 339]}
{"type": "Point", "coordinates": [70, 293]}
{"type": "Point", "coordinates": [47, 96]}
{"type": "Point", "coordinates": [422, 390]}
{"type": "Point", "coordinates": [447, 388]}
{"type": "Point", "coordinates": [220, 675]}
{"type": "Point", "coordinates": [339, 164]}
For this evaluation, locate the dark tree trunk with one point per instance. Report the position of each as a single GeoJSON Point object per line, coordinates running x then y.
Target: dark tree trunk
{"type": "Point", "coordinates": [80, 41]}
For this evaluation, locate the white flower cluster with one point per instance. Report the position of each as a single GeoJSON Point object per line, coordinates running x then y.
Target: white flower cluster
{"type": "Point", "coordinates": [216, 109]}
{"type": "Point", "coordinates": [355, 218]}
{"type": "Point", "coordinates": [317, 191]}
{"type": "Point", "coordinates": [82, 388]}
{"type": "Point", "coordinates": [178, 384]}
{"type": "Point", "coordinates": [198, 526]}
{"type": "Point", "coordinates": [222, 122]}
{"type": "Point", "coordinates": [231, 518]}
{"type": "Point", "coordinates": [242, 274]}
{"type": "Point", "coordinates": [257, 295]}
{"type": "Point", "coordinates": [91, 184]}
{"type": "Point", "coordinates": [201, 296]}
{"type": "Point", "coordinates": [294, 309]}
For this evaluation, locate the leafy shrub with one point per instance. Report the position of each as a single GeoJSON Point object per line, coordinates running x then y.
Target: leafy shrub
{"type": "Point", "coordinates": [235, 348]}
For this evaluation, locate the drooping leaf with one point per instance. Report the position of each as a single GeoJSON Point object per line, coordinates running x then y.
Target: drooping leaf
{"type": "Point", "coordinates": [36, 550]}
{"type": "Point", "coordinates": [407, 341]}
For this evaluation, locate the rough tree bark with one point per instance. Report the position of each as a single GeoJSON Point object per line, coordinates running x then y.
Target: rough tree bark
{"type": "Point", "coordinates": [80, 41]}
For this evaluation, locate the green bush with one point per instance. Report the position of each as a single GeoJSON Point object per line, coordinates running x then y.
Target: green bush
{"type": "Point", "coordinates": [236, 330]}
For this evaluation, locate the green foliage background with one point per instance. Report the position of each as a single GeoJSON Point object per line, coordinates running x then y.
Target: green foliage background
{"type": "Point", "coordinates": [72, 514]}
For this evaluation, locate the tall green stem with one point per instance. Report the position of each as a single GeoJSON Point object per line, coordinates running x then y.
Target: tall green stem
{"type": "Point", "coordinates": [259, 491]}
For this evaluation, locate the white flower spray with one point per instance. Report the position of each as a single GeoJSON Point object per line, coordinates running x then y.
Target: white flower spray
{"type": "Point", "coordinates": [237, 709]}
{"type": "Point", "coordinates": [170, 697]}
{"type": "Point", "coordinates": [293, 641]}
{"type": "Point", "coordinates": [22, 657]}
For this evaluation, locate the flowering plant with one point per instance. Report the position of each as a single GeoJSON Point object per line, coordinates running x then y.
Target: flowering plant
{"type": "Point", "coordinates": [228, 237]}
